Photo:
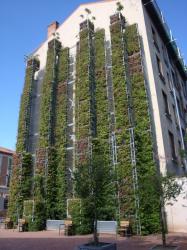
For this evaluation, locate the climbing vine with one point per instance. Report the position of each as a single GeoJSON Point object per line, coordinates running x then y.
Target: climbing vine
{"type": "Point", "coordinates": [21, 184]}
{"type": "Point", "coordinates": [124, 168]}
{"type": "Point", "coordinates": [84, 111]}
{"type": "Point", "coordinates": [149, 207]}
{"type": "Point", "coordinates": [46, 167]}
{"type": "Point", "coordinates": [46, 135]}
{"type": "Point", "coordinates": [25, 106]}
{"type": "Point", "coordinates": [84, 90]}
{"type": "Point", "coordinates": [102, 123]}
{"type": "Point", "coordinates": [60, 131]}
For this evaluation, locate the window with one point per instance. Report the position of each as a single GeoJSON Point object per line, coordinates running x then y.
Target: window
{"type": "Point", "coordinates": [9, 165]}
{"type": "Point", "coordinates": [166, 107]}
{"type": "Point", "coordinates": [155, 40]}
{"type": "Point", "coordinates": [184, 88]}
{"type": "Point", "coordinates": [172, 145]}
{"type": "Point", "coordinates": [175, 80]}
{"type": "Point", "coordinates": [160, 69]}
{"type": "Point", "coordinates": [6, 203]}
{"type": "Point", "coordinates": [175, 115]}
{"type": "Point", "coordinates": [169, 82]}
{"type": "Point", "coordinates": [1, 158]}
{"type": "Point", "coordinates": [180, 148]}
{"type": "Point", "coordinates": [179, 108]}
{"type": "Point", "coordinates": [184, 138]}
{"type": "Point", "coordinates": [165, 55]}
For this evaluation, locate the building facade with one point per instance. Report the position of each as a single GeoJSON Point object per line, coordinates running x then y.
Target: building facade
{"type": "Point", "coordinates": [6, 157]}
{"type": "Point", "coordinates": [112, 75]}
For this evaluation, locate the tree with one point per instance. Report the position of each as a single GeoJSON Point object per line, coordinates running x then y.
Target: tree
{"type": "Point", "coordinates": [119, 7]}
{"type": "Point", "coordinates": [95, 187]}
{"type": "Point", "coordinates": [169, 189]}
{"type": "Point", "coordinates": [88, 11]}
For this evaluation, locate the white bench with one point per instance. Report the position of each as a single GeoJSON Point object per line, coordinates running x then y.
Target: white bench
{"type": "Point", "coordinates": [54, 224]}
{"type": "Point", "coordinates": [107, 227]}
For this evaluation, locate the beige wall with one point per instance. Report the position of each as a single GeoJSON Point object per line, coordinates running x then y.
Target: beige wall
{"type": "Point", "coordinates": [177, 213]}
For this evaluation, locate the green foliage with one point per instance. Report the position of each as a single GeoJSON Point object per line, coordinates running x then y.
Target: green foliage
{"type": "Point", "coordinates": [60, 133]}
{"type": "Point", "coordinates": [47, 96]}
{"type": "Point", "coordinates": [124, 168]}
{"type": "Point", "coordinates": [53, 125]}
{"type": "Point", "coordinates": [168, 189]}
{"type": "Point", "coordinates": [28, 212]}
{"type": "Point", "coordinates": [132, 39]}
{"type": "Point", "coordinates": [21, 184]}
{"type": "Point", "coordinates": [25, 106]}
{"type": "Point", "coordinates": [39, 203]}
{"type": "Point", "coordinates": [84, 111]}
{"type": "Point", "coordinates": [146, 167]}
{"type": "Point", "coordinates": [51, 184]}
{"type": "Point", "coordinates": [120, 7]}
{"type": "Point", "coordinates": [94, 186]}
{"type": "Point", "coordinates": [14, 193]}
{"type": "Point", "coordinates": [171, 189]}
{"type": "Point", "coordinates": [101, 88]}
{"type": "Point", "coordinates": [88, 11]}
{"type": "Point", "coordinates": [83, 119]}
{"type": "Point", "coordinates": [28, 207]}
{"type": "Point", "coordinates": [102, 124]}
{"type": "Point", "coordinates": [79, 217]}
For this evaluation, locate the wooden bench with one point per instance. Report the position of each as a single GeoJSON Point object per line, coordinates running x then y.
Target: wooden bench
{"type": "Point", "coordinates": [68, 227]}
{"type": "Point", "coordinates": [124, 228]}
{"type": "Point", "coordinates": [8, 223]}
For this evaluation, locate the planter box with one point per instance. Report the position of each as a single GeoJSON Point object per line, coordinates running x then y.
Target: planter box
{"type": "Point", "coordinates": [160, 247]}
{"type": "Point", "coordinates": [102, 246]}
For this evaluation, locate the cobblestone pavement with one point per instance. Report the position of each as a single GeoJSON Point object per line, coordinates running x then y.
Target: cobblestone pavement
{"type": "Point", "coordinates": [50, 240]}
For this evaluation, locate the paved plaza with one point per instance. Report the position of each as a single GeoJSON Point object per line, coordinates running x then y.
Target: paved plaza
{"type": "Point", "coordinates": [50, 240]}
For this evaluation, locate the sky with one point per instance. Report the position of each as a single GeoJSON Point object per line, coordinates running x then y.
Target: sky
{"type": "Point", "coordinates": [24, 28]}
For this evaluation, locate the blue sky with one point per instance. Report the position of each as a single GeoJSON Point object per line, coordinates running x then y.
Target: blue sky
{"type": "Point", "coordinates": [24, 27]}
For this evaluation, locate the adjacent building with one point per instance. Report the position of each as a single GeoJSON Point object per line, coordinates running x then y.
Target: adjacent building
{"type": "Point", "coordinates": [6, 156]}
{"type": "Point", "coordinates": [110, 72]}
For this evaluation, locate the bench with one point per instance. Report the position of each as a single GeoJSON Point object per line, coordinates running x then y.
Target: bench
{"type": "Point", "coordinates": [22, 225]}
{"type": "Point", "coordinates": [8, 223]}
{"type": "Point", "coordinates": [53, 225]}
{"type": "Point", "coordinates": [68, 227]}
{"type": "Point", "coordinates": [124, 228]}
{"type": "Point", "coordinates": [107, 227]}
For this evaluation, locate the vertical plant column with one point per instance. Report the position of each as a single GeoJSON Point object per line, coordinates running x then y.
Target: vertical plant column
{"type": "Point", "coordinates": [46, 170]}
{"type": "Point", "coordinates": [122, 125]}
{"type": "Point", "coordinates": [28, 212]}
{"type": "Point", "coordinates": [60, 132]}
{"type": "Point", "coordinates": [102, 123]}
{"type": "Point", "coordinates": [85, 107]}
{"type": "Point", "coordinates": [14, 197]}
{"type": "Point", "coordinates": [21, 184]}
{"type": "Point", "coordinates": [146, 167]}
{"type": "Point", "coordinates": [101, 90]}
{"type": "Point", "coordinates": [47, 114]}
{"type": "Point", "coordinates": [84, 93]}
{"type": "Point", "coordinates": [25, 106]}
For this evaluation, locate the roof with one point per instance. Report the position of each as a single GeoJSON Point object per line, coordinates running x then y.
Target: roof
{"type": "Point", "coordinates": [6, 151]}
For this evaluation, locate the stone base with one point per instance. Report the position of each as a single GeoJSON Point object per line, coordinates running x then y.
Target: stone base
{"type": "Point", "coordinates": [101, 246]}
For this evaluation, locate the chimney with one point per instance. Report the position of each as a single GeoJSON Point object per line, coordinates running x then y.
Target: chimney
{"type": "Point", "coordinates": [52, 28]}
